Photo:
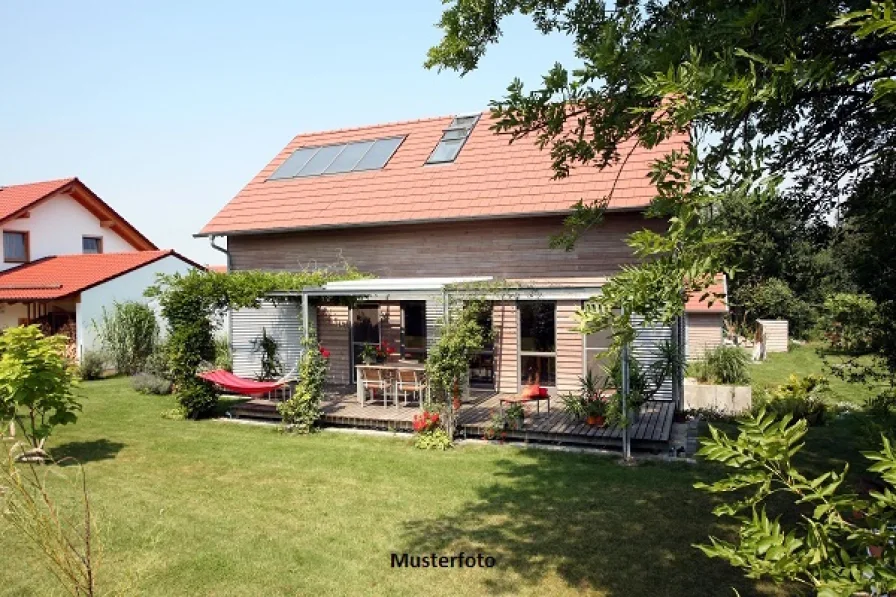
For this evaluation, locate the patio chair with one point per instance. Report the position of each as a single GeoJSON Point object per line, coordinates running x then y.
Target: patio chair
{"type": "Point", "coordinates": [373, 380]}
{"type": "Point", "coordinates": [410, 381]}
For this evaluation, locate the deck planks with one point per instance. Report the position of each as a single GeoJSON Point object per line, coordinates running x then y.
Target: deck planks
{"type": "Point", "coordinates": [341, 407]}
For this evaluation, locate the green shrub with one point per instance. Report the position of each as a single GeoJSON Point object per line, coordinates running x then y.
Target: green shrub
{"type": "Point", "coordinates": [92, 365]}
{"type": "Point", "coordinates": [437, 439]}
{"type": "Point", "coordinates": [726, 365]}
{"type": "Point", "coordinates": [197, 397]}
{"type": "Point", "coordinates": [129, 334]}
{"type": "Point", "coordinates": [35, 384]}
{"type": "Point", "coordinates": [803, 398]}
{"type": "Point", "coordinates": [147, 383]}
{"type": "Point", "coordinates": [223, 358]}
{"type": "Point", "coordinates": [302, 410]}
{"type": "Point", "coordinates": [848, 322]}
{"type": "Point", "coordinates": [178, 413]}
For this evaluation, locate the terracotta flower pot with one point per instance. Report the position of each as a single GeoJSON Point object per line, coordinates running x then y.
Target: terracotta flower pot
{"type": "Point", "coordinates": [596, 420]}
{"type": "Point", "coordinates": [591, 420]}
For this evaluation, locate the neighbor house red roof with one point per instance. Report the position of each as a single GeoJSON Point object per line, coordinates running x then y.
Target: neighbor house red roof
{"type": "Point", "coordinates": [719, 288]}
{"type": "Point", "coordinates": [490, 178]}
{"type": "Point", "coordinates": [16, 200]}
{"type": "Point", "coordinates": [65, 275]}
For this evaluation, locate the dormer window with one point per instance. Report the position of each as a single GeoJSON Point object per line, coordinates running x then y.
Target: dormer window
{"type": "Point", "coordinates": [453, 139]}
{"type": "Point", "coordinates": [15, 247]}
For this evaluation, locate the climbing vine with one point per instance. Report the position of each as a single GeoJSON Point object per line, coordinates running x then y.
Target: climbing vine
{"type": "Point", "coordinates": [193, 306]}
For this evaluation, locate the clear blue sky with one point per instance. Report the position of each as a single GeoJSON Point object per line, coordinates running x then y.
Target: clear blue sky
{"type": "Point", "coordinates": [168, 109]}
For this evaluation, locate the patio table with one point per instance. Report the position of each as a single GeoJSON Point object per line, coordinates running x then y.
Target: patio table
{"type": "Point", "coordinates": [385, 367]}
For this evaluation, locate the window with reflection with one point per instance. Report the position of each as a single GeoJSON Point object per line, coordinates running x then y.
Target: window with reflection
{"type": "Point", "coordinates": [413, 330]}
{"type": "Point", "coordinates": [538, 343]}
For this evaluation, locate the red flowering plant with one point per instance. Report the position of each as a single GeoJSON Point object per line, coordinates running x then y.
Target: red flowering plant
{"type": "Point", "coordinates": [378, 353]}
{"type": "Point", "coordinates": [426, 422]}
{"type": "Point", "coordinates": [324, 352]}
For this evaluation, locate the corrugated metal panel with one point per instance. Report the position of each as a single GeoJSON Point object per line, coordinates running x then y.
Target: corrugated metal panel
{"type": "Point", "coordinates": [435, 317]}
{"type": "Point", "coordinates": [283, 323]}
{"type": "Point", "coordinates": [645, 350]}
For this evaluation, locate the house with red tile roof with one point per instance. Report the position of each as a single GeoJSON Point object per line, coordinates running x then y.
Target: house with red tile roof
{"type": "Point", "coordinates": [67, 254]}
{"type": "Point", "coordinates": [423, 206]}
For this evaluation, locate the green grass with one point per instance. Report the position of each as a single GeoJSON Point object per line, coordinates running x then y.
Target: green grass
{"type": "Point", "coordinates": [803, 360]}
{"type": "Point", "coordinates": [215, 508]}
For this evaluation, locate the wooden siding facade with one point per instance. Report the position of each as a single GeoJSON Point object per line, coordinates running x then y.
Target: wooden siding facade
{"type": "Point", "coordinates": [570, 347]}
{"type": "Point", "coordinates": [334, 334]}
{"type": "Point", "coordinates": [704, 333]}
{"type": "Point", "coordinates": [504, 248]}
{"type": "Point", "coordinates": [505, 323]}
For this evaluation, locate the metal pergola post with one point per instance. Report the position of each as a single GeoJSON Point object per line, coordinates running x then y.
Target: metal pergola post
{"type": "Point", "coordinates": [306, 333]}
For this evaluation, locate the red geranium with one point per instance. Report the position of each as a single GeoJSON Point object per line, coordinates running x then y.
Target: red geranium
{"type": "Point", "coordinates": [426, 421]}
{"type": "Point", "coordinates": [324, 352]}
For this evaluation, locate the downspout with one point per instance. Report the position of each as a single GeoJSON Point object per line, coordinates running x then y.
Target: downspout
{"type": "Point", "coordinates": [211, 241]}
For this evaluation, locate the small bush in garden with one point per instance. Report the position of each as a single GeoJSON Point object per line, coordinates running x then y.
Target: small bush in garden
{"type": "Point", "coordinates": [147, 383]}
{"type": "Point", "coordinates": [178, 413]}
{"type": "Point", "coordinates": [803, 398]}
{"type": "Point", "coordinates": [129, 334]}
{"type": "Point", "coordinates": [437, 439]}
{"type": "Point", "coordinates": [726, 365]}
{"type": "Point", "coordinates": [92, 365]}
{"type": "Point", "coordinates": [36, 382]}
{"type": "Point", "coordinates": [426, 421]}
{"type": "Point", "coordinates": [223, 358]}
{"type": "Point", "coordinates": [197, 397]}
{"type": "Point", "coordinates": [301, 411]}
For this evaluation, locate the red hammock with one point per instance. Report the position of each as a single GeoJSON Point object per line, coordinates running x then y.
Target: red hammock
{"type": "Point", "coordinates": [239, 385]}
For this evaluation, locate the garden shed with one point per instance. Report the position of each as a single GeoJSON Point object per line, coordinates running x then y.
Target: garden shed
{"type": "Point", "coordinates": [774, 334]}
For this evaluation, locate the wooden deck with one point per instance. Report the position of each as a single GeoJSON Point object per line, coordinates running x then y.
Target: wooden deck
{"type": "Point", "coordinates": [650, 432]}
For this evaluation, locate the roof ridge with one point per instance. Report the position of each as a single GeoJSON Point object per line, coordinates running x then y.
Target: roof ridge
{"type": "Point", "coordinates": [383, 124]}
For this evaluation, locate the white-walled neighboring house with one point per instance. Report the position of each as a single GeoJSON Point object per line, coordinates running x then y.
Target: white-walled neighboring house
{"type": "Point", "coordinates": [705, 319]}
{"type": "Point", "coordinates": [68, 289]}
{"type": "Point", "coordinates": [67, 254]}
{"type": "Point", "coordinates": [61, 217]}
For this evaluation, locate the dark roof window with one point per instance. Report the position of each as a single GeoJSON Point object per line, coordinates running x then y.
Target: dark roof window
{"type": "Point", "coordinates": [453, 139]}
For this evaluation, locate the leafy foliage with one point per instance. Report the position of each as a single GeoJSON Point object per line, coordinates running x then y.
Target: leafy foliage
{"type": "Point", "coordinates": [271, 366]}
{"type": "Point", "coordinates": [36, 384]}
{"type": "Point", "coordinates": [802, 89]}
{"type": "Point", "coordinates": [193, 303]}
{"type": "Point", "coordinates": [436, 439]}
{"type": "Point", "coordinates": [771, 298]}
{"type": "Point", "coordinates": [92, 365]}
{"type": "Point", "coordinates": [302, 410]}
{"type": "Point", "coordinates": [723, 364]}
{"type": "Point", "coordinates": [448, 362]}
{"type": "Point", "coordinates": [129, 334]}
{"type": "Point", "coordinates": [850, 322]}
{"type": "Point", "coordinates": [838, 545]}
{"type": "Point", "coordinates": [801, 398]}
{"type": "Point", "coordinates": [223, 358]}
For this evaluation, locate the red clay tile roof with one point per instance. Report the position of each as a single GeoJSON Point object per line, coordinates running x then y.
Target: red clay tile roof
{"type": "Point", "coordinates": [719, 305]}
{"type": "Point", "coordinates": [61, 276]}
{"type": "Point", "coordinates": [489, 178]}
{"type": "Point", "coordinates": [16, 199]}
{"type": "Point", "coordinates": [220, 269]}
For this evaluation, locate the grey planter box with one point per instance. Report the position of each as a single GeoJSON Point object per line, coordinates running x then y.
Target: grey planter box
{"type": "Point", "coordinates": [731, 400]}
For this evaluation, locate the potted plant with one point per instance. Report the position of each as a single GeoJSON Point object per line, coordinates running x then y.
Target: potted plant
{"type": "Point", "coordinates": [575, 405]}
{"type": "Point", "coordinates": [368, 354]}
{"type": "Point", "coordinates": [596, 411]}
{"type": "Point", "coordinates": [496, 425]}
{"type": "Point", "coordinates": [515, 416]}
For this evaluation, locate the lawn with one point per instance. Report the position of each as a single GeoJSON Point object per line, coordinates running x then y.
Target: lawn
{"type": "Point", "coordinates": [217, 508]}
{"type": "Point", "coordinates": [804, 360]}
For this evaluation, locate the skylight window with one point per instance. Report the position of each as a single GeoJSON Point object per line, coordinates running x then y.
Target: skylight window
{"type": "Point", "coordinates": [372, 154]}
{"type": "Point", "coordinates": [453, 139]}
